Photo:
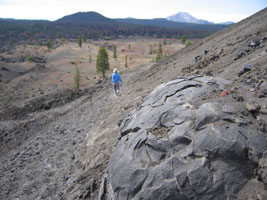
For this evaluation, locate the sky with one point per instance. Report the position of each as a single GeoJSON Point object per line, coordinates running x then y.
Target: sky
{"type": "Point", "coordinates": [211, 10]}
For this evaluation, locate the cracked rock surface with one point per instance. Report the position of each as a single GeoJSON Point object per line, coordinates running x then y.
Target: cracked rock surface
{"type": "Point", "coordinates": [171, 148]}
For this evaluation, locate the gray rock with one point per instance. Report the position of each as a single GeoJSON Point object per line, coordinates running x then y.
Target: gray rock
{"type": "Point", "coordinates": [239, 55]}
{"type": "Point", "coordinates": [254, 43]}
{"type": "Point", "coordinates": [39, 59]}
{"type": "Point", "coordinates": [171, 149]}
{"type": "Point", "coordinates": [262, 45]}
{"type": "Point", "coordinates": [206, 51]}
{"type": "Point", "coordinates": [4, 69]}
{"type": "Point", "coordinates": [246, 68]}
{"type": "Point", "coordinates": [247, 50]}
{"type": "Point", "coordinates": [237, 97]}
{"type": "Point", "coordinates": [207, 113]}
{"type": "Point", "coordinates": [197, 58]}
{"type": "Point", "coordinates": [263, 87]}
{"type": "Point", "coordinates": [263, 168]}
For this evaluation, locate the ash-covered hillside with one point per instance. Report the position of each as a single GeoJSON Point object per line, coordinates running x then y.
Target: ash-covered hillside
{"type": "Point", "coordinates": [202, 135]}
{"type": "Point", "coordinates": [212, 114]}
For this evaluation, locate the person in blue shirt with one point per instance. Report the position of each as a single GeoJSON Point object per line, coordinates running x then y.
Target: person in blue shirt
{"type": "Point", "coordinates": [116, 81]}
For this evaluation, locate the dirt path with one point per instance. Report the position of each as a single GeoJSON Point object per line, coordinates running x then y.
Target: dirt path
{"type": "Point", "coordinates": [55, 153]}
{"type": "Point", "coordinates": [71, 148]}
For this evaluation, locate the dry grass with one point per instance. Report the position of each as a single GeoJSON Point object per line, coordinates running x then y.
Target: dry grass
{"type": "Point", "coordinates": [61, 61]}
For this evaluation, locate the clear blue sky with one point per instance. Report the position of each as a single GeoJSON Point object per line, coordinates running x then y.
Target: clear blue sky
{"type": "Point", "coordinates": [211, 10]}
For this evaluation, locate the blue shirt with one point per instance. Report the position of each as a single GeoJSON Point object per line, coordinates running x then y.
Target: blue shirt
{"type": "Point", "coordinates": [116, 78]}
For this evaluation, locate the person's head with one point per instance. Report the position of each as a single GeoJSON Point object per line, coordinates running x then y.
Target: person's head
{"type": "Point", "coordinates": [114, 70]}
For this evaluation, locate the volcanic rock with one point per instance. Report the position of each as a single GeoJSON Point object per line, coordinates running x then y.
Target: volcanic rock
{"type": "Point", "coordinates": [170, 148]}
{"type": "Point", "coordinates": [245, 69]}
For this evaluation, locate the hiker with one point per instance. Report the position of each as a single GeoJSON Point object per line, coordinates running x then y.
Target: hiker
{"type": "Point", "coordinates": [116, 81]}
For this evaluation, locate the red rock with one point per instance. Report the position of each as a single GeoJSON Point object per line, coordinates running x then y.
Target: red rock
{"type": "Point", "coordinates": [224, 93]}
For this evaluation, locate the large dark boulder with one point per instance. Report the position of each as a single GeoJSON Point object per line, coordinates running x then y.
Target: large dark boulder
{"type": "Point", "coordinates": [175, 145]}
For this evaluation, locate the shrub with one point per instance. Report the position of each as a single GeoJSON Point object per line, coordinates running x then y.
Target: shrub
{"type": "Point", "coordinates": [30, 58]}
{"type": "Point", "coordinates": [77, 78]}
{"type": "Point", "coordinates": [183, 39]}
{"type": "Point", "coordinates": [188, 43]}
{"type": "Point", "coordinates": [126, 61]}
{"type": "Point", "coordinates": [48, 44]}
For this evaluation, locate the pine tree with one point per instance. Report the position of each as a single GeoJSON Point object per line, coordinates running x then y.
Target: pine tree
{"type": "Point", "coordinates": [84, 38]}
{"type": "Point", "coordinates": [165, 42]}
{"type": "Point", "coordinates": [80, 41]}
{"type": "Point", "coordinates": [160, 53]}
{"type": "Point", "coordinates": [102, 64]}
{"type": "Point", "coordinates": [77, 78]}
{"type": "Point", "coordinates": [37, 40]}
{"type": "Point", "coordinates": [126, 61]}
{"type": "Point", "coordinates": [183, 39]}
{"type": "Point", "coordinates": [114, 52]}
{"type": "Point", "coordinates": [48, 44]}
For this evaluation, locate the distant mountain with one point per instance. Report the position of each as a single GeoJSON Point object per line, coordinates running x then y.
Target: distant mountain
{"type": "Point", "coordinates": [7, 19]}
{"type": "Point", "coordinates": [96, 26]}
{"type": "Point", "coordinates": [162, 22]}
{"type": "Point", "coordinates": [186, 17]}
{"type": "Point", "coordinates": [85, 18]}
{"type": "Point", "coordinates": [227, 23]}
{"type": "Point", "coordinates": [22, 21]}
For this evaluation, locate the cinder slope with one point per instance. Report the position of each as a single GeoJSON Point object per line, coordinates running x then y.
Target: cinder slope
{"type": "Point", "coordinates": [62, 153]}
{"type": "Point", "coordinates": [237, 54]}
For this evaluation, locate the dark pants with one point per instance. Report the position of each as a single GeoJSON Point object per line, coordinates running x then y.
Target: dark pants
{"type": "Point", "coordinates": [116, 87]}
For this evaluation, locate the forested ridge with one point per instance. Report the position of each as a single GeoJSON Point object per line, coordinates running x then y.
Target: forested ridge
{"type": "Point", "coordinates": [96, 26]}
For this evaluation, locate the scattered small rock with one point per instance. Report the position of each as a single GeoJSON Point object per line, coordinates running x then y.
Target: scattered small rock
{"type": "Point", "coordinates": [247, 50]}
{"type": "Point", "coordinates": [238, 98]}
{"type": "Point", "coordinates": [224, 93]}
{"type": "Point", "coordinates": [246, 68]}
{"type": "Point", "coordinates": [262, 45]}
{"type": "Point", "coordinates": [254, 43]}
{"type": "Point", "coordinates": [4, 69]}
{"type": "Point", "coordinates": [239, 55]}
{"type": "Point", "coordinates": [197, 58]}
{"type": "Point", "coordinates": [253, 108]}
{"type": "Point", "coordinates": [128, 107]}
